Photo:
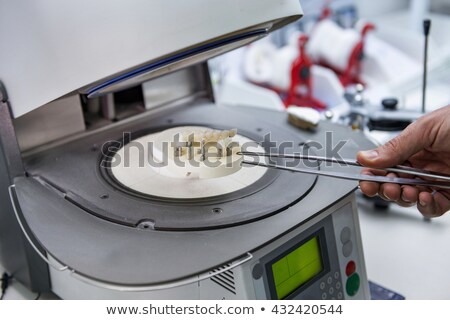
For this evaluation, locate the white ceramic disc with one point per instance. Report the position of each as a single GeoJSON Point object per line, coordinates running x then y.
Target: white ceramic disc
{"type": "Point", "coordinates": [134, 167]}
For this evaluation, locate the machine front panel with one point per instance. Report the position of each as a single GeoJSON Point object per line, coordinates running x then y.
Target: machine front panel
{"type": "Point", "coordinates": [321, 262]}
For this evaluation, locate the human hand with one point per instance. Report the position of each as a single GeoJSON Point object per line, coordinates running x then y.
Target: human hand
{"type": "Point", "coordinates": [425, 144]}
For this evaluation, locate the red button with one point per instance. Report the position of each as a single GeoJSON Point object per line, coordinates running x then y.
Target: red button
{"type": "Point", "coordinates": [350, 269]}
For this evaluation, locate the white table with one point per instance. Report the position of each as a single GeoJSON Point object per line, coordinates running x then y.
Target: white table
{"type": "Point", "coordinates": [405, 253]}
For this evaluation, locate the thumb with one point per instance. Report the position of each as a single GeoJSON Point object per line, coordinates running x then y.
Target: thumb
{"type": "Point", "coordinates": [395, 151]}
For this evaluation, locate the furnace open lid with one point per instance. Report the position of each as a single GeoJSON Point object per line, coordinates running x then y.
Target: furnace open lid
{"type": "Point", "coordinates": [97, 47]}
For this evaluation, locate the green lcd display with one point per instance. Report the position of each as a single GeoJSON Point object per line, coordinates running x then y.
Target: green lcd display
{"type": "Point", "coordinates": [297, 267]}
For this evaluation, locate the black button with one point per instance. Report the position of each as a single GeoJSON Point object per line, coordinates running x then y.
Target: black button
{"type": "Point", "coordinates": [390, 103]}
{"type": "Point", "coordinates": [257, 271]}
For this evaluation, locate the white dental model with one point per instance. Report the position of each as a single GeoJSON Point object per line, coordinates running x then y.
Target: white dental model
{"type": "Point", "coordinates": [205, 140]}
{"type": "Point", "coordinates": [198, 152]}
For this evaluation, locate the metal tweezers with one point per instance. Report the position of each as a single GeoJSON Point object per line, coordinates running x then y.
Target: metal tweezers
{"type": "Point", "coordinates": [442, 180]}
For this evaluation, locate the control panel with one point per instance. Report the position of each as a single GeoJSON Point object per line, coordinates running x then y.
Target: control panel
{"type": "Point", "coordinates": [322, 259]}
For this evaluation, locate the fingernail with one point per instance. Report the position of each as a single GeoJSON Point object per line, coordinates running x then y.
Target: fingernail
{"type": "Point", "coordinates": [385, 195]}
{"type": "Point", "coordinates": [370, 154]}
{"type": "Point", "coordinates": [404, 199]}
{"type": "Point", "coordinates": [422, 203]}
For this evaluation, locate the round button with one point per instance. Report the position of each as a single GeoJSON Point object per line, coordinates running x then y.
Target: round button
{"type": "Point", "coordinates": [338, 285]}
{"type": "Point", "coordinates": [346, 235]}
{"type": "Point", "coordinates": [329, 280]}
{"type": "Point", "coordinates": [257, 271]}
{"type": "Point", "coordinates": [352, 285]}
{"type": "Point", "coordinates": [322, 285]}
{"type": "Point", "coordinates": [389, 103]}
{"type": "Point", "coordinates": [336, 275]}
{"type": "Point", "coordinates": [324, 296]}
{"type": "Point", "coordinates": [340, 295]}
{"type": "Point", "coordinates": [347, 249]}
{"type": "Point", "coordinates": [331, 291]}
{"type": "Point", "coordinates": [350, 268]}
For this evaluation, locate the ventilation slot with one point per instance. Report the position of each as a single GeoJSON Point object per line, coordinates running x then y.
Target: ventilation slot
{"type": "Point", "coordinates": [225, 279]}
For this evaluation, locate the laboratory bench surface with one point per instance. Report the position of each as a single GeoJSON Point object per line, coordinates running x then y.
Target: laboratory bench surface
{"type": "Point", "coordinates": [404, 253]}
